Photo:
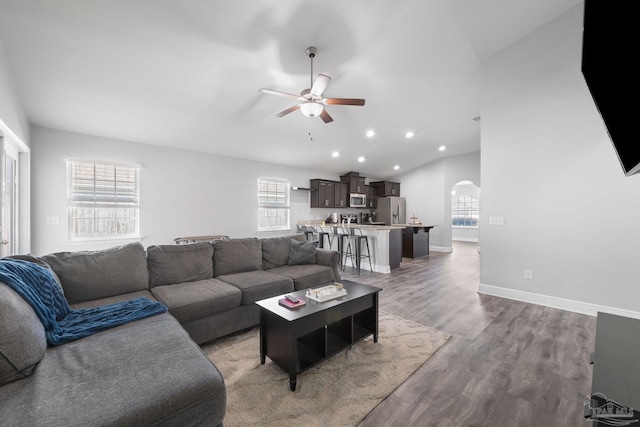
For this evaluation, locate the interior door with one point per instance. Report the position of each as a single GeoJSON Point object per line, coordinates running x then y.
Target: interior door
{"type": "Point", "coordinates": [3, 248]}
{"type": "Point", "coordinates": [8, 210]}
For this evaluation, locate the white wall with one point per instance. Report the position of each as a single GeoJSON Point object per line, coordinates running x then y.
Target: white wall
{"type": "Point", "coordinates": [11, 111]}
{"type": "Point", "coordinates": [548, 167]}
{"type": "Point", "coordinates": [182, 193]}
{"type": "Point", "coordinates": [428, 193]}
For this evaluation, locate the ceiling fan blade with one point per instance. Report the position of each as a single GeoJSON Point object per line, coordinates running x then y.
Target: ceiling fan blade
{"type": "Point", "coordinates": [343, 101]}
{"type": "Point", "coordinates": [277, 92]}
{"type": "Point", "coordinates": [288, 110]}
{"type": "Point", "coordinates": [325, 116]}
{"type": "Point", "coordinates": [320, 84]}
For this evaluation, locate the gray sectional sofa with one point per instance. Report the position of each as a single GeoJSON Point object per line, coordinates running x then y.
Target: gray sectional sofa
{"type": "Point", "coordinates": [151, 371]}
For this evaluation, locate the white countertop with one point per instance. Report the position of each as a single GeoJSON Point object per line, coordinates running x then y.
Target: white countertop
{"type": "Point", "coordinates": [360, 226]}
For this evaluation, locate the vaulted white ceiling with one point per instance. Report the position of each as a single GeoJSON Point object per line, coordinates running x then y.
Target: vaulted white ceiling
{"type": "Point", "coordinates": [186, 74]}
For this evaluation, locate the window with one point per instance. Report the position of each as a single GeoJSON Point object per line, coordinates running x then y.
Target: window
{"type": "Point", "coordinates": [273, 205]}
{"type": "Point", "coordinates": [103, 199]}
{"type": "Point", "coordinates": [465, 210]}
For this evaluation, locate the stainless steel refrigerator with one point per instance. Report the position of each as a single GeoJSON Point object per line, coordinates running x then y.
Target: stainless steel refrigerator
{"type": "Point", "coordinates": [391, 210]}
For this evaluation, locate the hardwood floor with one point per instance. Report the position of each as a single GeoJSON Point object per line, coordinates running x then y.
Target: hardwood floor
{"type": "Point", "coordinates": [508, 363]}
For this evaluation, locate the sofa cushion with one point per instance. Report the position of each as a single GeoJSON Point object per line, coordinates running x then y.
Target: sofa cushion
{"type": "Point", "coordinates": [302, 252]}
{"type": "Point", "coordinates": [237, 256]}
{"type": "Point", "coordinates": [275, 250]}
{"type": "Point", "coordinates": [171, 264]}
{"type": "Point", "coordinates": [306, 276]}
{"type": "Point", "coordinates": [195, 300]}
{"type": "Point", "coordinates": [114, 299]}
{"type": "Point", "coordinates": [144, 373]}
{"type": "Point", "coordinates": [257, 285]}
{"type": "Point", "coordinates": [36, 260]}
{"type": "Point", "coordinates": [87, 275]}
{"type": "Point", "coordinates": [22, 338]}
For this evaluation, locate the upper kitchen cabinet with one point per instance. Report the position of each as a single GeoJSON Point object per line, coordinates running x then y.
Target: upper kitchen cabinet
{"type": "Point", "coordinates": [372, 195]}
{"type": "Point", "coordinates": [386, 188]}
{"type": "Point", "coordinates": [354, 181]}
{"type": "Point", "coordinates": [341, 199]}
{"type": "Point", "coordinates": [322, 193]}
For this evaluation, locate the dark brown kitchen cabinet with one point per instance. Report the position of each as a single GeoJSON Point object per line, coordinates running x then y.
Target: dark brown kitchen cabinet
{"type": "Point", "coordinates": [322, 193]}
{"type": "Point", "coordinates": [355, 182]}
{"type": "Point", "coordinates": [341, 195]}
{"type": "Point", "coordinates": [386, 188]}
{"type": "Point", "coordinates": [372, 195]}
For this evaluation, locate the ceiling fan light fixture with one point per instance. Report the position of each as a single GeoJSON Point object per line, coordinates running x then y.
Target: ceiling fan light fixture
{"type": "Point", "coordinates": [311, 109]}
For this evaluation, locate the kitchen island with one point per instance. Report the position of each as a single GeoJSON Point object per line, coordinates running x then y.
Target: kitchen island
{"type": "Point", "coordinates": [415, 240]}
{"type": "Point", "coordinates": [385, 242]}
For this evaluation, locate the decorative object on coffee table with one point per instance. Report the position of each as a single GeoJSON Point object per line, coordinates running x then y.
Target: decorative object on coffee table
{"type": "Point", "coordinates": [326, 293]}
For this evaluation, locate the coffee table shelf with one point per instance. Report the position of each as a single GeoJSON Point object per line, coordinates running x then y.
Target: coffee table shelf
{"type": "Point", "coordinates": [298, 339]}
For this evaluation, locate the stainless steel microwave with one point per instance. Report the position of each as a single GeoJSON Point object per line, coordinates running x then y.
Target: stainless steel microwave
{"type": "Point", "coordinates": [357, 200]}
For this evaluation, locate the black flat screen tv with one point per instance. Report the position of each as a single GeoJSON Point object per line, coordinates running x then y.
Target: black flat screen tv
{"type": "Point", "coordinates": [610, 47]}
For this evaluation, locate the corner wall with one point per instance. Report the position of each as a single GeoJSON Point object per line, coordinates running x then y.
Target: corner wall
{"type": "Point", "coordinates": [549, 168]}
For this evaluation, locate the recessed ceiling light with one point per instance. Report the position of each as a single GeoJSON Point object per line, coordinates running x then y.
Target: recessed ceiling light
{"type": "Point", "coordinates": [335, 154]}
{"type": "Point", "coordinates": [370, 133]}
{"type": "Point", "coordinates": [442, 148]}
{"type": "Point", "coordinates": [396, 167]}
{"type": "Point", "coordinates": [361, 159]}
{"type": "Point", "coordinates": [409, 134]}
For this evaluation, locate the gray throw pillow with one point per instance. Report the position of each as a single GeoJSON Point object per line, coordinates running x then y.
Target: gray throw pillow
{"type": "Point", "coordinates": [276, 250]}
{"type": "Point", "coordinates": [302, 252]}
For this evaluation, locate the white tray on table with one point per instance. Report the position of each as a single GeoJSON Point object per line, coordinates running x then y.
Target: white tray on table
{"type": "Point", "coordinates": [337, 292]}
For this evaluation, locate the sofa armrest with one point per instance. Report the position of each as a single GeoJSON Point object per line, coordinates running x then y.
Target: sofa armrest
{"type": "Point", "coordinates": [330, 259]}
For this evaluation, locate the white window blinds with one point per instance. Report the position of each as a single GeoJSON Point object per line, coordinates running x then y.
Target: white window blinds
{"type": "Point", "coordinates": [103, 198]}
{"type": "Point", "coordinates": [273, 205]}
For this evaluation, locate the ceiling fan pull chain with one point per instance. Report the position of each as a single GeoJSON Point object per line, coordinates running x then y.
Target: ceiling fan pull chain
{"type": "Point", "coordinates": [310, 137]}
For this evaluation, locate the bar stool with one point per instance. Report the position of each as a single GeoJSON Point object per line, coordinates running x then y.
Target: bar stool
{"type": "Point", "coordinates": [342, 234]}
{"type": "Point", "coordinates": [357, 237]}
{"type": "Point", "coordinates": [322, 233]}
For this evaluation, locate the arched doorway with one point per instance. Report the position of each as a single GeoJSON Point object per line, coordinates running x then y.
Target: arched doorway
{"type": "Point", "coordinates": [465, 212]}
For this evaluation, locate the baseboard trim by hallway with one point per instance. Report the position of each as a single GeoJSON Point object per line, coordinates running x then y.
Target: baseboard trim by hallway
{"type": "Point", "coordinates": [555, 302]}
{"type": "Point", "coordinates": [441, 248]}
{"type": "Point", "coordinates": [465, 239]}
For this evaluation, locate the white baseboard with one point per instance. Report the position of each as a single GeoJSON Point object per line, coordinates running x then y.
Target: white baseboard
{"type": "Point", "coordinates": [441, 248]}
{"type": "Point", "coordinates": [379, 268]}
{"type": "Point", "coordinates": [555, 302]}
{"type": "Point", "coordinates": [465, 239]}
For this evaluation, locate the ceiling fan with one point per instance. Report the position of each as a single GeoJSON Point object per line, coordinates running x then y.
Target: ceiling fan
{"type": "Point", "coordinates": [311, 101]}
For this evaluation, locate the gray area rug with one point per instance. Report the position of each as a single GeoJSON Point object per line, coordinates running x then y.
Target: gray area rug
{"type": "Point", "coordinates": [340, 391]}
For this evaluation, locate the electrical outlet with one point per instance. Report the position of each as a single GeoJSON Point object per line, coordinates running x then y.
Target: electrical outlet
{"type": "Point", "coordinates": [528, 274]}
{"type": "Point", "coordinates": [53, 220]}
{"type": "Point", "coordinates": [496, 220]}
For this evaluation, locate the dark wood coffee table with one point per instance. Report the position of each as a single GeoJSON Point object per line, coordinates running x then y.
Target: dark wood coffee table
{"type": "Point", "coordinates": [297, 339]}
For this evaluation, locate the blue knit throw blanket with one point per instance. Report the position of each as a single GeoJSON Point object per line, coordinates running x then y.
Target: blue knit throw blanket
{"type": "Point", "coordinates": [36, 285]}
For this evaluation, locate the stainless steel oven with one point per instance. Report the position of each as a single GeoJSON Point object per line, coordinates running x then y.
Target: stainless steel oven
{"type": "Point", "coordinates": [357, 200]}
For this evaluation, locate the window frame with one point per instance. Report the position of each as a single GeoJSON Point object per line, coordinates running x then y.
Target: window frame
{"type": "Point", "coordinates": [74, 201]}
{"type": "Point", "coordinates": [265, 206]}
{"type": "Point", "coordinates": [472, 213]}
